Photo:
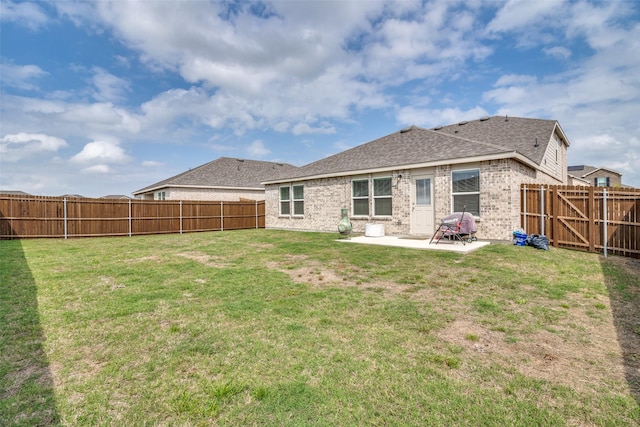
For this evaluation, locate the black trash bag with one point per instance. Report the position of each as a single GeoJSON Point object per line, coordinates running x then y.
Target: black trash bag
{"type": "Point", "coordinates": [538, 241]}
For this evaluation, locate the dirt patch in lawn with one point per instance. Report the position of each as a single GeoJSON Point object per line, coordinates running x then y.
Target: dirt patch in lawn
{"type": "Point", "coordinates": [579, 352]}
{"type": "Point", "coordinates": [312, 273]}
{"type": "Point", "coordinates": [202, 258]}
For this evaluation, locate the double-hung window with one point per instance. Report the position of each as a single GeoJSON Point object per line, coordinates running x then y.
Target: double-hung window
{"type": "Point", "coordinates": [360, 197]}
{"type": "Point", "coordinates": [298, 199]}
{"type": "Point", "coordinates": [285, 200]}
{"type": "Point", "coordinates": [382, 196]}
{"type": "Point", "coordinates": [375, 192]}
{"type": "Point", "coordinates": [465, 190]}
{"type": "Point", "coordinates": [293, 194]}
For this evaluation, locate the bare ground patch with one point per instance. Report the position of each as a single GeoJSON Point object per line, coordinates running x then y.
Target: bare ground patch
{"type": "Point", "coordinates": [153, 258]}
{"type": "Point", "coordinates": [581, 351]}
{"type": "Point", "coordinates": [202, 258]}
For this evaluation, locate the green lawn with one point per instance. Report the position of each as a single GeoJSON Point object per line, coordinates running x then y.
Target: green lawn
{"type": "Point", "coordinates": [263, 327]}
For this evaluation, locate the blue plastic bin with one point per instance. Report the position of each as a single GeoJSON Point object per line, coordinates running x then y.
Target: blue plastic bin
{"type": "Point", "coordinates": [519, 238]}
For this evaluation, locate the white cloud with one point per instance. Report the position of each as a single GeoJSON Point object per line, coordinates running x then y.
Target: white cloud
{"type": "Point", "coordinates": [426, 117]}
{"type": "Point", "coordinates": [519, 15]}
{"type": "Point", "coordinates": [18, 146]}
{"type": "Point", "coordinates": [101, 151]}
{"type": "Point", "coordinates": [109, 88]}
{"type": "Point", "coordinates": [151, 164]}
{"type": "Point", "coordinates": [20, 76]}
{"type": "Point", "coordinates": [257, 149]}
{"type": "Point", "coordinates": [559, 52]}
{"type": "Point", "coordinates": [513, 79]}
{"type": "Point", "coordinates": [97, 169]}
{"type": "Point", "coordinates": [28, 14]}
{"type": "Point", "coordinates": [304, 128]}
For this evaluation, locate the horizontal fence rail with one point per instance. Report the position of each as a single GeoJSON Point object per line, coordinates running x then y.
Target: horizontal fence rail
{"type": "Point", "coordinates": [62, 217]}
{"type": "Point", "coordinates": [592, 219]}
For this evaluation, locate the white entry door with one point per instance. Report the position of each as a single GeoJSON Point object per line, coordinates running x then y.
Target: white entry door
{"type": "Point", "coordinates": [422, 209]}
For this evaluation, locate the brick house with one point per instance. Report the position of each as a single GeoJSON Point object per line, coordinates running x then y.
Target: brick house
{"type": "Point", "coordinates": [409, 179]}
{"type": "Point", "coordinates": [592, 175]}
{"type": "Point", "coordinates": [223, 179]}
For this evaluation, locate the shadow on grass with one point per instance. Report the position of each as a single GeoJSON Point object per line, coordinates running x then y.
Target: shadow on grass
{"type": "Point", "coordinates": [26, 385]}
{"type": "Point", "coordinates": [622, 276]}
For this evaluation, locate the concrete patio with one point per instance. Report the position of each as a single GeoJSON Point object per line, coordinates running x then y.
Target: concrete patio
{"type": "Point", "coordinates": [417, 243]}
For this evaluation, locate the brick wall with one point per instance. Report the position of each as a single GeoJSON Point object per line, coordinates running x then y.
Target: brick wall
{"type": "Point", "coordinates": [499, 200]}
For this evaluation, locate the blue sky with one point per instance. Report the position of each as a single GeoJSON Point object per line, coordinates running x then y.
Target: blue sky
{"type": "Point", "coordinates": [108, 97]}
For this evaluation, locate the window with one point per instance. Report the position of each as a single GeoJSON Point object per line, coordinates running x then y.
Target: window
{"type": "Point", "coordinates": [601, 181]}
{"type": "Point", "coordinates": [465, 190]}
{"type": "Point", "coordinates": [360, 196]}
{"type": "Point", "coordinates": [298, 199]}
{"type": "Point", "coordinates": [423, 192]}
{"type": "Point", "coordinates": [285, 201]}
{"type": "Point", "coordinates": [382, 196]}
{"type": "Point", "coordinates": [286, 193]}
{"type": "Point", "coordinates": [160, 195]}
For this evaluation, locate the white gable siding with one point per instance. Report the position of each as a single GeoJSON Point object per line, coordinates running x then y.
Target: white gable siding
{"type": "Point", "coordinates": [554, 162]}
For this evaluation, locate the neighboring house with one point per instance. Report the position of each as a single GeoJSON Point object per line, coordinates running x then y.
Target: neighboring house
{"type": "Point", "coordinates": [592, 175]}
{"type": "Point", "coordinates": [409, 180]}
{"type": "Point", "coordinates": [14, 193]}
{"type": "Point", "coordinates": [224, 179]}
{"type": "Point", "coordinates": [115, 196]}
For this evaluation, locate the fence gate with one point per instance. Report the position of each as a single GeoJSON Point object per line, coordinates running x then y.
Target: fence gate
{"type": "Point", "coordinates": [593, 219]}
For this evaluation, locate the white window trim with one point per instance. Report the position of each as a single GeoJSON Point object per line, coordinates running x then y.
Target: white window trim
{"type": "Point", "coordinates": [367, 197]}
{"type": "Point", "coordinates": [371, 197]}
{"type": "Point", "coordinates": [291, 200]}
{"type": "Point", "coordinates": [374, 197]}
{"type": "Point", "coordinates": [280, 200]}
{"type": "Point", "coordinates": [292, 195]}
{"type": "Point", "coordinates": [467, 192]}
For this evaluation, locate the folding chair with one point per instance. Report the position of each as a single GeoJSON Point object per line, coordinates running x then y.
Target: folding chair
{"type": "Point", "coordinates": [451, 228]}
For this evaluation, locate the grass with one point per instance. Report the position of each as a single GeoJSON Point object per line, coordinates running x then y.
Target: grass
{"type": "Point", "coordinates": [262, 327]}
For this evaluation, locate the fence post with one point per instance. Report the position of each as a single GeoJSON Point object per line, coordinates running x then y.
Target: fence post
{"type": "Point", "coordinates": [180, 216]}
{"type": "Point", "coordinates": [591, 228]}
{"type": "Point", "coordinates": [257, 214]}
{"type": "Point", "coordinates": [523, 194]}
{"type": "Point", "coordinates": [65, 217]}
{"type": "Point", "coordinates": [221, 216]}
{"type": "Point", "coordinates": [542, 207]}
{"type": "Point", "coordinates": [606, 219]}
{"type": "Point", "coordinates": [129, 217]}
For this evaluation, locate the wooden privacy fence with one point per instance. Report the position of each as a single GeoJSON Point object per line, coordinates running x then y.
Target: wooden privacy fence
{"type": "Point", "coordinates": [35, 216]}
{"type": "Point", "coordinates": [593, 219]}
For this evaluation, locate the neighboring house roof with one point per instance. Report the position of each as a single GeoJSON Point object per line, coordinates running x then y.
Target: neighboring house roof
{"type": "Point", "coordinates": [14, 193]}
{"type": "Point", "coordinates": [487, 138]}
{"type": "Point", "coordinates": [583, 171]}
{"type": "Point", "coordinates": [225, 172]}
{"type": "Point", "coordinates": [115, 196]}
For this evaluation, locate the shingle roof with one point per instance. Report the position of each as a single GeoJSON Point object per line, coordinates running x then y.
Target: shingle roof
{"type": "Point", "coordinates": [515, 133]}
{"type": "Point", "coordinates": [582, 171]}
{"type": "Point", "coordinates": [226, 172]}
{"type": "Point", "coordinates": [492, 136]}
